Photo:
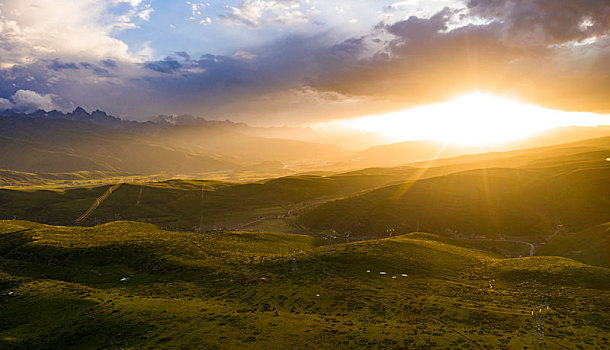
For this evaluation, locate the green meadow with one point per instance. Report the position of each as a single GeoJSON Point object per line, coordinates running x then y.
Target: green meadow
{"type": "Point", "coordinates": [131, 285]}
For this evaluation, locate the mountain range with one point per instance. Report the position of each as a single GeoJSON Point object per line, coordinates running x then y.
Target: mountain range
{"type": "Point", "coordinates": [55, 142]}
{"type": "Point", "coordinates": [51, 142]}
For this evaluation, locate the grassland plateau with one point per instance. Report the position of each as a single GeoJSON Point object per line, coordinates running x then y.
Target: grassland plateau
{"type": "Point", "coordinates": [317, 261]}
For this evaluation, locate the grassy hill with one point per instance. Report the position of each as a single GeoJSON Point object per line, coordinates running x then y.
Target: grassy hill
{"type": "Point", "coordinates": [520, 193]}
{"type": "Point", "coordinates": [417, 151]}
{"type": "Point", "coordinates": [565, 186]}
{"type": "Point", "coordinates": [591, 246]}
{"type": "Point", "coordinates": [519, 157]}
{"type": "Point", "coordinates": [187, 204]}
{"type": "Point", "coordinates": [19, 179]}
{"type": "Point", "coordinates": [131, 285]}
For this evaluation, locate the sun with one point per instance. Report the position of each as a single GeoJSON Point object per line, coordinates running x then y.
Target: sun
{"type": "Point", "coordinates": [475, 119]}
{"type": "Point", "coordinates": [480, 119]}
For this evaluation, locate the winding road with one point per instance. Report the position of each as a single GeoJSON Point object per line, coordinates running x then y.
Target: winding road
{"type": "Point", "coordinates": [97, 202]}
{"type": "Point", "coordinates": [531, 245]}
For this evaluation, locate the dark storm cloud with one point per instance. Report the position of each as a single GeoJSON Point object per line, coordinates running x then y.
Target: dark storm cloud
{"type": "Point", "coordinates": [109, 63]}
{"type": "Point", "coordinates": [420, 61]}
{"type": "Point", "coordinates": [168, 86]}
{"type": "Point", "coordinates": [560, 21]}
{"type": "Point", "coordinates": [350, 46]}
{"type": "Point", "coordinates": [184, 55]}
{"type": "Point", "coordinates": [419, 29]}
{"type": "Point", "coordinates": [217, 79]}
{"type": "Point", "coordinates": [525, 48]}
{"type": "Point", "coordinates": [96, 70]}
{"type": "Point", "coordinates": [59, 65]}
{"type": "Point", "coordinates": [102, 72]}
{"type": "Point", "coordinates": [167, 66]}
{"type": "Point", "coordinates": [34, 76]}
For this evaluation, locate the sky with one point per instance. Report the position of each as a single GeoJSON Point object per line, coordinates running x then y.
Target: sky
{"type": "Point", "coordinates": [299, 62]}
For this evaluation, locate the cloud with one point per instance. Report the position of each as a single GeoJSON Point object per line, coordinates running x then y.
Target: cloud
{"type": "Point", "coordinates": [35, 29]}
{"type": "Point", "coordinates": [145, 14]}
{"type": "Point", "coordinates": [321, 75]}
{"type": "Point", "coordinates": [184, 55]}
{"type": "Point", "coordinates": [427, 59]}
{"type": "Point", "coordinates": [415, 28]}
{"type": "Point", "coordinates": [133, 3]}
{"type": "Point", "coordinates": [261, 13]}
{"type": "Point", "coordinates": [109, 63]}
{"type": "Point", "coordinates": [29, 101]}
{"type": "Point", "coordinates": [59, 65]}
{"type": "Point", "coordinates": [167, 66]}
{"type": "Point", "coordinates": [539, 22]}
{"type": "Point", "coordinates": [5, 104]}
{"type": "Point", "coordinates": [241, 54]}
{"type": "Point", "coordinates": [96, 70]}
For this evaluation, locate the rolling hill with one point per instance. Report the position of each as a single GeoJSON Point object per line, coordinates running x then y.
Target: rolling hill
{"type": "Point", "coordinates": [522, 193]}
{"type": "Point", "coordinates": [591, 246]}
{"type": "Point", "coordinates": [131, 285]}
{"type": "Point", "coordinates": [204, 283]}
{"type": "Point", "coordinates": [537, 190]}
{"type": "Point", "coordinates": [187, 204]}
{"type": "Point", "coordinates": [408, 152]}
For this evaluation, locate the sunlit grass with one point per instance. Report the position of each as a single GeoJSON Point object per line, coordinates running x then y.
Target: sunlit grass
{"type": "Point", "coordinates": [240, 289]}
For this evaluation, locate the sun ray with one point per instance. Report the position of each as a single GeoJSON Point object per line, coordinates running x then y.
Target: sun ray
{"type": "Point", "coordinates": [419, 174]}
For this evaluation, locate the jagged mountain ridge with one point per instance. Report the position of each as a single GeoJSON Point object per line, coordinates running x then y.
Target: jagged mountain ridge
{"type": "Point", "coordinates": [43, 142]}
{"type": "Point", "coordinates": [97, 117]}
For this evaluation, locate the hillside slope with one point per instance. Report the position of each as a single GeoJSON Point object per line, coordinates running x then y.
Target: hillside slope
{"type": "Point", "coordinates": [570, 189]}
{"type": "Point", "coordinates": [187, 204]}
{"type": "Point", "coordinates": [591, 246]}
{"type": "Point", "coordinates": [408, 152]}
{"type": "Point", "coordinates": [131, 285]}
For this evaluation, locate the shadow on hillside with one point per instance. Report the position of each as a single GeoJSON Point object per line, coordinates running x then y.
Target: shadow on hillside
{"type": "Point", "coordinates": [82, 324]}
{"type": "Point", "coordinates": [99, 267]}
{"type": "Point", "coordinates": [13, 240]}
{"type": "Point", "coordinates": [555, 273]}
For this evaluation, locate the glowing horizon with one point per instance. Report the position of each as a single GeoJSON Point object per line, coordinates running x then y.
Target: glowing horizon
{"type": "Point", "coordinates": [474, 119]}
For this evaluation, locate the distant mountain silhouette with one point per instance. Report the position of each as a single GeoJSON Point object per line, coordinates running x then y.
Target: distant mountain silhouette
{"type": "Point", "coordinates": [55, 141]}
{"type": "Point", "coordinates": [47, 142]}
{"type": "Point", "coordinates": [79, 114]}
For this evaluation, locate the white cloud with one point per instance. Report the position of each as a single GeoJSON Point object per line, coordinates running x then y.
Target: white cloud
{"type": "Point", "coordinates": [145, 52]}
{"type": "Point", "coordinates": [84, 29]}
{"type": "Point", "coordinates": [29, 101]}
{"type": "Point", "coordinates": [145, 14]}
{"type": "Point", "coordinates": [260, 13]}
{"type": "Point", "coordinates": [5, 104]}
{"type": "Point", "coordinates": [133, 3]}
{"type": "Point", "coordinates": [245, 55]}
{"type": "Point", "coordinates": [197, 12]}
